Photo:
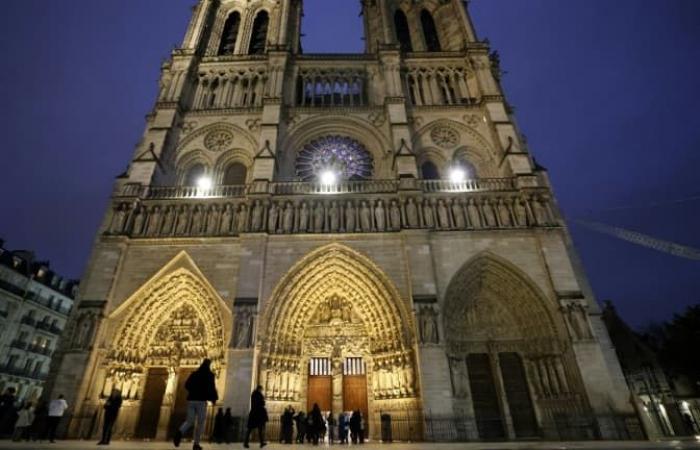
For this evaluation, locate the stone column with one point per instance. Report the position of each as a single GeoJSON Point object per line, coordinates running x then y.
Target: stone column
{"type": "Point", "coordinates": [503, 399]}
{"type": "Point", "coordinates": [337, 385]}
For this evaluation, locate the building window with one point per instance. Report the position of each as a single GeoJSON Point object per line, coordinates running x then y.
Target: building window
{"type": "Point", "coordinates": [193, 175]}
{"type": "Point", "coordinates": [236, 174]}
{"type": "Point", "coordinates": [403, 35]}
{"type": "Point", "coordinates": [258, 39]}
{"type": "Point", "coordinates": [230, 34]}
{"type": "Point", "coordinates": [341, 156]}
{"type": "Point", "coordinates": [432, 42]}
{"type": "Point", "coordinates": [429, 171]}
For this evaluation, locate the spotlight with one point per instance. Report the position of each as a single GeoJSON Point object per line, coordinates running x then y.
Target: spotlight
{"type": "Point", "coordinates": [204, 183]}
{"type": "Point", "coordinates": [458, 175]}
{"type": "Point", "coordinates": [328, 177]}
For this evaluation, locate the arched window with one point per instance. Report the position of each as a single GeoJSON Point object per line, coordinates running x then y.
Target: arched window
{"type": "Point", "coordinates": [230, 34]}
{"type": "Point", "coordinates": [236, 174]}
{"type": "Point", "coordinates": [193, 175]}
{"type": "Point", "coordinates": [467, 167]}
{"type": "Point", "coordinates": [403, 34]}
{"type": "Point", "coordinates": [258, 39]}
{"type": "Point", "coordinates": [429, 171]}
{"type": "Point", "coordinates": [432, 41]}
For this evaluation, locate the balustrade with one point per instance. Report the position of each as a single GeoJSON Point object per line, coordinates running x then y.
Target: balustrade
{"type": "Point", "coordinates": [233, 88]}
{"type": "Point", "coordinates": [440, 85]}
{"type": "Point", "coordinates": [332, 87]}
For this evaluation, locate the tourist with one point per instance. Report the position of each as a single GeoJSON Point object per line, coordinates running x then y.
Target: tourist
{"type": "Point", "coordinates": [228, 426]}
{"type": "Point", "coordinates": [300, 421]}
{"type": "Point", "coordinates": [217, 435]}
{"type": "Point", "coordinates": [331, 427]}
{"type": "Point", "coordinates": [111, 407]}
{"type": "Point", "coordinates": [318, 426]}
{"type": "Point", "coordinates": [57, 407]}
{"type": "Point", "coordinates": [257, 417]}
{"type": "Point", "coordinates": [342, 428]}
{"type": "Point", "coordinates": [201, 388]}
{"type": "Point", "coordinates": [25, 419]}
{"type": "Point", "coordinates": [287, 425]}
{"type": "Point", "coordinates": [38, 428]}
{"type": "Point", "coordinates": [7, 410]}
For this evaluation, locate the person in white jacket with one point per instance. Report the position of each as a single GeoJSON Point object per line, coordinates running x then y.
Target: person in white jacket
{"type": "Point", "coordinates": [25, 419]}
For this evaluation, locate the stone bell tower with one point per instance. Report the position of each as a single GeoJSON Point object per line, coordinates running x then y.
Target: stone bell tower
{"type": "Point", "coordinates": [363, 231]}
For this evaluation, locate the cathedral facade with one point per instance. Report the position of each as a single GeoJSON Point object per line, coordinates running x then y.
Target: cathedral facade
{"type": "Point", "coordinates": [362, 231]}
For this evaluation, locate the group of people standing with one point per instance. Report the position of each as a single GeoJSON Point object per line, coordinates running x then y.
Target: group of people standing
{"type": "Point", "coordinates": [314, 427]}
{"type": "Point", "coordinates": [27, 421]}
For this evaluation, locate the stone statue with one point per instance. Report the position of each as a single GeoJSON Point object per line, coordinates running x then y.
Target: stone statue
{"type": "Point", "coordinates": [319, 214]}
{"type": "Point", "coordinates": [473, 213]}
{"type": "Point", "coordinates": [242, 219]}
{"type": "Point", "coordinates": [379, 216]}
{"type": "Point", "coordinates": [458, 371]}
{"type": "Point", "coordinates": [458, 214]}
{"type": "Point", "coordinates": [83, 332]}
{"type": "Point", "coordinates": [520, 212]}
{"type": "Point", "coordinates": [428, 323]}
{"type": "Point", "coordinates": [304, 218]}
{"type": "Point", "coordinates": [443, 218]}
{"type": "Point", "coordinates": [226, 218]}
{"type": "Point", "coordinates": [489, 215]}
{"type": "Point", "coordinates": [170, 387]}
{"type": "Point", "coordinates": [272, 217]}
{"type": "Point", "coordinates": [428, 219]}
{"type": "Point", "coordinates": [541, 215]}
{"type": "Point", "coordinates": [288, 218]}
{"type": "Point", "coordinates": [257, 216]}
{"type": "Point", "coordinates": [182, 221]}
{"type": "Point", "coordinates": [503, 214]}
{"type": "Point", "coordinates": [334, 217]}
{"type": "Point", "coordinates": [578, 321]}
{"type": "Point", "coordinates": [412, 213]}
{"type": "Point", "coordinates": [365, 219]}
{"type": "Point", "coordinates": [168, 221]}
{"type": "Point", "coordinates": [349, 217]}
{"type": "Point", "coordinates": [153, 226]}
{"type": "Point", "coordinates": [243, 331]}
{"type": "Point", "coordinates": [196, 221]}
{"type": "Point", "coordinates": [138, 222]}
{"type": "Point", "coordinates": [395, 215]}
{"type": "Point", "coordinates": [213, 221]}
{"type": "Point", "coordinates": [118, 220]}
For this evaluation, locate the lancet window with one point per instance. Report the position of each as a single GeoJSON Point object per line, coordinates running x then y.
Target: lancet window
{"type": "Point", "coordinates": [235, 175]}
{"type": "Point", "coordinates": [437, 86]}
{"type": "Point", "coordinates": [258, 39]}
{"type": "Point", "coordinates": [403, 33]}
{"type": "Point", "coordinates": [331, 88]}
{"type": "Point", "coordinates": [432, 41]}
{"type": "Point", "coordinates": [230, 34]}
{"type": "Point", "coordinates": [193, 174]}
{"type": "Point", "coordinates": [244, 88]}
{"type": "Point", "coordinates": [429, 171]}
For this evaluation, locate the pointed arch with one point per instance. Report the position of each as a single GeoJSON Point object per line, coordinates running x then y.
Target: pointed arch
{"type": "Point", "coordinates": [490, 299]}
{"type": "Point", "coordinates": [258, 37]}
{"type": "Point", "coordinates": [432, 40]}
{"type": "Point", "coordinates": [403, 33]}
{"type": "Point", "coordinates": [335, 269]}
{"type": "Point", "coordinates": [178, 286]}
{"type": "Point", "coordinates": [229, 37]}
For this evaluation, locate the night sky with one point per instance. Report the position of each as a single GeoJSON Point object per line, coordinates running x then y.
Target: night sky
{"type": "Point", "coordinates": [607, 93]}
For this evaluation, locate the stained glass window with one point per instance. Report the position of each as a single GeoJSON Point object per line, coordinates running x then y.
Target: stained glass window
{"type": "Point", "coordinates": [345, 157]}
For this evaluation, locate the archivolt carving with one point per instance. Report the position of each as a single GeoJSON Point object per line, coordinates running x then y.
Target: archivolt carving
{"type": "Point", "coordinates": [179, 306]}
{"type": "Point", "coordinates": [488, 300]}
{"type": "Point", "coordinates": [335, 270]}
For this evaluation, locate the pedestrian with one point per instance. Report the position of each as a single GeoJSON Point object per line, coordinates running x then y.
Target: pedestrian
{"type": "Point", "coordinates": [288, 425]}
{"type": "Point", "coordinates": [217, 434]}
{"type": "Point", "coordinates": [300, 421]}
{"type": "Point", "coordinates": [361, 422]}
{"type": "Point", "coordinates": [201, 388]}
{"type": "Point", "coordinates": [7, 410]}
{"type": "Point", "coordinates": [331, 428]}
{"type": "Point", "coordinates": [57, 407]}
{"type": "Point", "coordinates": [257, 417]}
{"type": "Point", "coordinates": [355, 427]}
{"type": "Point", "coordinates": [342, 428]}
{"type": "Point", "coordinates": [317, 423]}
{"type": "Point", "coordinates": [25, 419]}
{"type": "Point", "coordinates": [228, 426]}
{"type": "Point", "coordinates": [111, 407]}
{"type": "Point", "coordinates": [38, 428]}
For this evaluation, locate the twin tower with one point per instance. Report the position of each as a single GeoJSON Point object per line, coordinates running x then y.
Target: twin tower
{"type": "Point", "coordinates": [359, 231]}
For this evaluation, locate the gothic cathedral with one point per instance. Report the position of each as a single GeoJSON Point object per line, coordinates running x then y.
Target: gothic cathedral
{"type": "Point", "coordinates": [362, 231]}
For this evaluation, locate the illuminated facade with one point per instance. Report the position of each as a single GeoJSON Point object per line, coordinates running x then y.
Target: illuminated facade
{"type": "Point", "coordinates": [363, 231]}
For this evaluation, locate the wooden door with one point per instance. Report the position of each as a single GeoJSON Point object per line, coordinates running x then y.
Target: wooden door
{"type": "Point", "coordinates": [152, 400]}
{"type": "Point", "coordinates": [179, 413]}
{"type": "Point", "coordinates": [319, 391]}
{"type": "Point", "coordinates": [518, 395]}
{"type": "Point", "coordinates": [489, 422]}
{"type": "Point", "coordinates": [355, 396]}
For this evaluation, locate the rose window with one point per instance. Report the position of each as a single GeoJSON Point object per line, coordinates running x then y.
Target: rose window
{"type": "Point", "coordinates": [343, 157]}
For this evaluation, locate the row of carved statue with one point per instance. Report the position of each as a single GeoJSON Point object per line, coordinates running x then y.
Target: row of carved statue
{"type": "Point", "coordinates": [330, 216]}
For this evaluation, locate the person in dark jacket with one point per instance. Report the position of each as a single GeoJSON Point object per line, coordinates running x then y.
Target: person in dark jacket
{"type": "Point", "coordinates": [112, 406]}
{"type": "Point", "coordinates": [300, 421]}
{"type": "Point", "coordinates": [201, 388]}
{"type": "Point", "coordinates": [318, 425]}
{"type": "Point", "coordinates": [287, 425]}
{"type": "Point", "coordinates": [217, 434]}
{"type": "Point", "coordinates": [257, 417]}
{"type": "Point", "coordinates": [228, 426]}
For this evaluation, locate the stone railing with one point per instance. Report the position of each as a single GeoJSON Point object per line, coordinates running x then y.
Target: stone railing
{"type": "Point", "coordinates": [353, 207]}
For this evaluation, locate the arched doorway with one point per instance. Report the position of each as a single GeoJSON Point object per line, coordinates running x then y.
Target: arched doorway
{"type": "Point", "coordinates": [161, 334]}
{"type": "Point", "coordinates": [513, 372]}
{"type": "Point", "coordinates": [335, 332]}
